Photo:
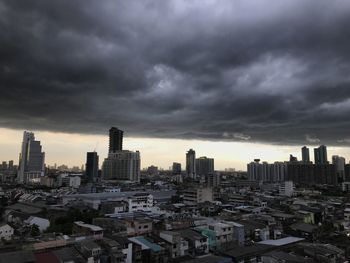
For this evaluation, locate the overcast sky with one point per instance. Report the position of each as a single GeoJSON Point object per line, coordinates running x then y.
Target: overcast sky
{"type": "Point", "coordinates": [257, 71]}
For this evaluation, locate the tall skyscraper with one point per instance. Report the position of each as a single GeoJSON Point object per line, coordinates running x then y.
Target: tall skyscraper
{"type": "Point", "coordinates": [305, 154]}
{"type": "Point", "coordinates": [339, 163]}
{"type": "Point", "coordinates": [204, 166]}
{"type": "Point", "coordinates": [91, 169]}
{"type": "Point", "coordinates": [120, 164]}
{"type": "Point", "coordinates": [115, 140]}
{"type": "Point", "coordinates": [191, 163]}
{"type": "Point", "coordinates": [31, 160]}
{"type": "Point", "coordinates": [320, 155]}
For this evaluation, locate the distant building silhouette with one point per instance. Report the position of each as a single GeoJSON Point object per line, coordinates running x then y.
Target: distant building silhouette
{"type": "Point", "coordinates": [320, 155]}
{"type": "Point", "coordinates": [115, 140]}
{"type": "Point", "coordinates": [91, 168]}
{"type": "Point", "coordinates": [176, 168]}
{"type": "Point", "coordinates": [303, 174]}
{"type": "Point", "coordinates": [305, 154]}
{"type": "Point", "coordinates": [204, 166]}
{"type": "Point", "coordinates": [293, 158]}
{"type": "Point", "coordinates": [339, 163]}
{"type": "Point", "coordinates": [191, 163]}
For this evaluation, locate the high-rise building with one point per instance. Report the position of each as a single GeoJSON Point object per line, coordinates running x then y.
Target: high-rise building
{"type": "Point", "coordinates": [254, 170]}
{"type": "Point", "coordinates": [115, 140]}
{"type": "Point", "coordinates": [311, 174]}
{"type": "Point", "coordinates": [339, 163]}
{"type": "Point", "coordinates": [204, 166]}
{"type": "Point", "coordinates": [176, 168]}
{"type": "Point", "coordinates": [31, 160]}
{"type": "Point", "coordinates": [320, 155]}
{"type": "Point", "coordinates": [305, 154]}
{"type": "Point", "coordinates": [279, 172]}
{"type": "Point", "coordinates": [91, 168]}
{"type": "Point", "coordinates": [266, 172]}
{"type": "Point", "coordinates": [191, 163]}
{"type": "Point", "coordinates": [120, 164]}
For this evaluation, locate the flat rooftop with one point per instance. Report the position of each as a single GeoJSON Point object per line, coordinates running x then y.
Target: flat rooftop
{"type": "Point", "coordinates": [109, 195]}
{"type": "Point", "coordinates": [281, 241]}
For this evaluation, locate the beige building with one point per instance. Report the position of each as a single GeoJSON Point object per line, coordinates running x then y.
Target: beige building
{"type": "Point", "coordinates": [198, 195]}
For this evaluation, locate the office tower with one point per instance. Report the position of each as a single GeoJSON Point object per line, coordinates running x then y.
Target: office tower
{"type": "Point", "coordinates": [122, 165]}
{"type": "Point", "coordinates": [204, 166]}
{"type": "Point", "coordinates": [176, 168]}
{"type": "Point", "coordinates": [339, 163]}
{"type": "Point", "coordinates": [91, 170]}
{"type": "Point", "coordinates": [115, 140]}
{"type": "Point", "coordinates": [191, 163]}
{"type": "Point", "coordinates": [305, 154]}
{"type": "Point", "coordinates": [321, 155]}
{"type": "Point", "coordinates": [32, 159]}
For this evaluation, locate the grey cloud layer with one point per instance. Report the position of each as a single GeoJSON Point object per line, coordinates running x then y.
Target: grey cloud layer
{"type": "Point", "coordinates": [268, 71]}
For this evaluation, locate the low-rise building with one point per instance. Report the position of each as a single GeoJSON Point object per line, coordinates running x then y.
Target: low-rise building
{"type": "Point", "coordinates": [6, 231]}
{"type": "Point", "coordinates": [197, 195]}
{"type": "Point", "coordinates": [69, 180]}
{"type": "Point", "coordinates": [42, 223]}
{"type": "Point", "coordinates": [198, 244]}
{"type": "Point", "coordinates": [138, 226]}
{"type": "Point", "coordinates": [80, 227]}
{"type": "Point", "coordinates": [151, 251]}
{"type": "Point", "coordinates": [140, 202]}
{"type": "Point", "coordinates": [178, 245]}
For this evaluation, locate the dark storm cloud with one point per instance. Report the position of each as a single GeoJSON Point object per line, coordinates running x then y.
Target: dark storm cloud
{"type": "Point", "coordinates": [268, 71]}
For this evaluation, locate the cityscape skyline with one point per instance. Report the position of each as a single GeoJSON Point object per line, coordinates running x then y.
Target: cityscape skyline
{"type": "Point", "coordinates": [227, 155]}
{"type": "Point", "coordinates": [187, 131]}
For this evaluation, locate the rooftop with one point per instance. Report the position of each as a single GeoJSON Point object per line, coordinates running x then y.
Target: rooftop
{"type": "Point", "coordinates": [241, 252]}
{"type": "Point", "coordinates": [146, 244]}
{"type": "Point", "coordinates": [281, 241]}
{"type": "Point", "coordinates": [191, 234]}
{"type": "Point", "coordinates": [308, 228]}
{"type": "Point", "coordinates": [109, 195]}
{"type": "Point", "coordinates": [92, 227]}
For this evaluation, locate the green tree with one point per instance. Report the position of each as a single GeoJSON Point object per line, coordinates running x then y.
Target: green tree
{"type": "Point", "coordinates": [35, 231]}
